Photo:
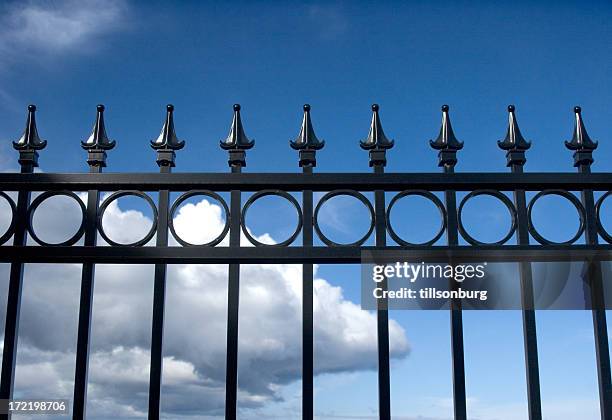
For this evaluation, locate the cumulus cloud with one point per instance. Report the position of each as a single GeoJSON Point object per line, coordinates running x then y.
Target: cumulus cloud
{"type": "Point", "coordinates": [59, 26]}
{"type": "Point", "coordinates": [195, 331]}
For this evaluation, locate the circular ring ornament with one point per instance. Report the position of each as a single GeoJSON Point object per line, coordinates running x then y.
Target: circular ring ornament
{"type": "Point", "coordinates": [265, 193]}
{"type": "Point", "coordinates": [572, 199]}
{"type": "Point", "coordinates": [188, 195]}
{"type": "Point", "coordinates": [116, 196]}
{"type": "Point", "coordinates": [505, 201]}
{"type": "Point", "coordinates": [350, 193]}
{"type": "Point", "coordinates": [9, 231]}
{"type": "Point", "coordinates": [602, 231]}
{"type": "Point", "coordinates": [39, 200]}
{"type": "Point", "coordinates": [421, 193]}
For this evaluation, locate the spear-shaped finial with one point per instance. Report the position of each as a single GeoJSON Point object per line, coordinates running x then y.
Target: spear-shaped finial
{"type": "Point", "coordinates": [30, 140]}
{"type": "Point", "coordinates": [307, 142]}
{"type": "Point", "coordinates": [236, 138]}
{"type": "Point", "coordinates": [29, 143]}
{"type": "Point", "coordinates": [167, 141]}
{"type": "Point", "coordinates": [446, 142]}
{"type": "Point", "coordinates": [376, 137]}
{"type": "Point", "coordinates": [580, 140]}
{"type": "Point", "coordinates": [307, 139]}
{"type": "Point", "coordinates": [581, 143]}
{"type": "Point", "coordinates": [167, 138]}
{"type": "Point", "coordinates": [446, 139]}
{"type": "Point", "coordinates": [514, 142]}
{"type": "Point", "coordinates": [98, 140]}
{"type": "Point", "coordinates": [237, 142]}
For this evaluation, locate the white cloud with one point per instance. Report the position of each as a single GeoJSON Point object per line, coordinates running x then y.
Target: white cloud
{"type": "Point", "coordinates": [59, 26]}
{"type": "Point", "coordinates": [195, 330]}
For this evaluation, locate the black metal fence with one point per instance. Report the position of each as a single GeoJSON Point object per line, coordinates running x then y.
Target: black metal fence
{"type": "Point", "coordinates": [527, 240]}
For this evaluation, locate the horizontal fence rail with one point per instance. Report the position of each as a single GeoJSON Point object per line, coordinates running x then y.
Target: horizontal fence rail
{"type": "Point", "coordinates": [592, 242]}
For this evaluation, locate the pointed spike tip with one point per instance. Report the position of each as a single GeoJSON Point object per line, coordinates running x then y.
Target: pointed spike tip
{"type": "Point", "coordinates": [98, 140]}
{"type": "Point", "coordinates": [376, 140]}
{"type": "Point", "coordinates": [236, 139]}
{"type": "Point", "coordinates": [167, 139]}
{"type": "Point", "coordinates": [307, 139]}
{"type": "Point", "coordinates": [30, 140]}
{"type": "Point", "coordinates": [514, 140]}
{"type": "Point", "coordinates": [581, 141]}
{"type": "Point", "coordinates": [446, 139]}
{"type": "Point", "coordinates": [100, 108]}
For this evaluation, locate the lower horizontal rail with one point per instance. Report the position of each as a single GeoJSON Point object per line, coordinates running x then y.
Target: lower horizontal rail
{"type": "Point", "coordinates": [299, 255]}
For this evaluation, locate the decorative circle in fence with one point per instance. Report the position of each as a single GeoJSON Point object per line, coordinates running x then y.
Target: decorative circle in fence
{"type": "Point", "coordinates": [39, 200]}
{"type": "Point", "coordinates": [266, 193]}
{"type": "Point", "coordinates": [11, 226]}
{"type": "Point", "coordinates": [572, 199]}
{"type": "Point", "coordinates": [187, 196]}
{"type": "Point", "coordinates": [116, 196]}
{"type": "Point", "coordinates": [505, 201]}
{"type": "Point", "coordinates": [602, 230]}
{"type": "Point", "coordinates": [420, 193]}
{"type": "Point", "coordinates": [350, 193]}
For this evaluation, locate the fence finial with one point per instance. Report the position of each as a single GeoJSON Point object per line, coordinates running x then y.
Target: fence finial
{"type": "Point", "coordinates": [30, 140]}
{"type": "Point", "coordinates": [514, 142]}
{"type": "Point", "coordinates": [581, 143]}
{"type": "Point", "coordinates": [29, 143]}
{"type": "Point", "coordinates": [307, 142]}
{"type": "Point", "coordinates": [446, 142]}
{"type": "Point", "coordinates": [98, 142]}
{"type": "Point", "coordinates": [167, 141]}
{"type": "Point", "coordinates": [376, 137]}
{"type": "Point", "coordinates": [376, 142]}
{"type": "Point", "coordinates": [236, 138]}
{"type": "Point", "coordinates": [237, 141]}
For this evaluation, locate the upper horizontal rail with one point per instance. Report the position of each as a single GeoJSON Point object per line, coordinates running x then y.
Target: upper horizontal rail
{"type": "Point", "coordinates": [467, 181]}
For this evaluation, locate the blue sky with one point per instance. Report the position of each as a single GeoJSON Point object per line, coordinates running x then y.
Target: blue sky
{"type": "Point", "coordinates": [410, 57]}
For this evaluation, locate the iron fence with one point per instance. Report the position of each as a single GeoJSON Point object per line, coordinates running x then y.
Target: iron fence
{"type": "Point", "coordinates": [528, 241]}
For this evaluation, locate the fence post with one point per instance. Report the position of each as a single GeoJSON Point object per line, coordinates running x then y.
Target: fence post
{"type": "Point", "coordinates": [583, 147]}
{"type": "Point", "coordinates": [515, 146]}
{"type": "Point", "coordinates": [165, 145]}
{"type": "Point", "coordinates": [96, 145]}
{"type": "Point", "coordinates": [377, 144]}
{"type": "Point", "coordinates": [307, 143]}
{"type": "Point", "coordinates": [236, 144]}
{"type": "Point", "coordinates": [27, 145]}
{"type": "Point", "coordinates": [448, 145]}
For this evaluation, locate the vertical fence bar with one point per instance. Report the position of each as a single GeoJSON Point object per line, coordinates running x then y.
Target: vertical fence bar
{"type": "Point", "coordinates": [516, 145]}
{"type": "Point", "coordinates": [377, 143]}
{"type": "Point", "coordinates": [27, 146]}
{"type": "Point", "coordinates": [165, 145]}
{"type": "Point", "coordinates": [13, 306]}
{"type": "Point", "coordinates": [448, 145]}
{"type": "Point", "coordinates": [236, 143]}
{"type": "Point", "coordinates": [583, 147]}
{"type": "Point", "coordinates": [95, 145]}
{"type": "Point", "coordinates": [307, 309]}
{"type": "Point", "coordinates": [307, 143]}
